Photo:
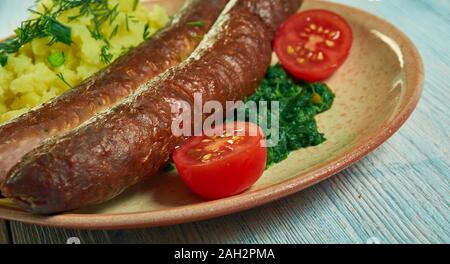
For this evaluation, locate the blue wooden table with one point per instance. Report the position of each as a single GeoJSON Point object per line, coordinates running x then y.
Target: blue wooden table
{"type": "Point", "coordinates": [398, 194]}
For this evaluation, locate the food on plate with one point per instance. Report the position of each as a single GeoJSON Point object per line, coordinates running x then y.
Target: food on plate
{"type": "Point", "coordinates": [299, 104]}
{"type": "Point", "coordinates": [217, 165]}
{"type": "Point", "coordinates": [313, 44]}
{"type": "Point", "coordinates": [132, 140]}
{"type": "Point", "coordinates": [166, 49]}
{"type": "Point", "coordinates": [32, 71]}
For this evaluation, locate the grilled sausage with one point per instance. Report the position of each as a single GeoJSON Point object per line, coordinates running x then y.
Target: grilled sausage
{"type": "Point", "coordinates": [166, 49]}
{"type": "Point", "coordinates": [132, 140]}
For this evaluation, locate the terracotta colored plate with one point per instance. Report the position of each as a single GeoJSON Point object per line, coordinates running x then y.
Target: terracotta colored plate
{"type": "Point", "coordinates": [377, 90]}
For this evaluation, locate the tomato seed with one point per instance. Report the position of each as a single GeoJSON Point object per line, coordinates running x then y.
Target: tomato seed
{"type": "Point", "coordinates": [290, 50]}
{"type": "Point", "coordinates": [320, 56]}
{"type": "Point", "coordinates": [329, 43]}
{"type": "Point", "coordinates": [206, 157]}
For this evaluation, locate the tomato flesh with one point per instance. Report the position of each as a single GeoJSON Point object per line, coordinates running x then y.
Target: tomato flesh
{"type": "Point", "coordinates": [223, 164]}
{"type": "Point", "coordinates": [313, 44]}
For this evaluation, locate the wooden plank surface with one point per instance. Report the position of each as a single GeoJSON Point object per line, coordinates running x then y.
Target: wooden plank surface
{"type": "Point", "coordinates": [398, 194]}
{"type": "Point", "coordinates": [4, 233]}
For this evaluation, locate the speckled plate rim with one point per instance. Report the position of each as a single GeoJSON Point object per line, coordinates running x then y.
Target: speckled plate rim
{"type": "Point", "coordinates": [207, 210]}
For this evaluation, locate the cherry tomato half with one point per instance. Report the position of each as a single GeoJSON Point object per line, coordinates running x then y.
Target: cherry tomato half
{"type": "Point", "coordinates": [222, 162]}
{"type": "Point", "coordinates": [313, 44]}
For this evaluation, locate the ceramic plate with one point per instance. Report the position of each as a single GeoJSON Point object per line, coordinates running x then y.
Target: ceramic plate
{"type": "Point", "coordinates": [376, 91]}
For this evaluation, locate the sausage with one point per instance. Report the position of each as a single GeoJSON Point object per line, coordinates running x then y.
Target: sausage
{"type": "Point", "coordinates": [166, 49]}
{"type": "Point", "coordinates": [131, 141]}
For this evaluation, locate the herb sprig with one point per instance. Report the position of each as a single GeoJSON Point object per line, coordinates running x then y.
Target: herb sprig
{"type": "Point", "coordinates": [146, 34]}
{"type": "Point", "coordinates": [61, 77]}
{"type": "Point", "coordinates": [101, 13]}
{"type": "Point", "coordinates": [46, 24]}
{"type": "Point", "coordinates": [198, 23]}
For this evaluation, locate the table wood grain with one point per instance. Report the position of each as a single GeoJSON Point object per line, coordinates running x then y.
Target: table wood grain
{"type": "Point", "coordinates": [398, 194]}
{"type": "Point", "coordinates": [4, 233]}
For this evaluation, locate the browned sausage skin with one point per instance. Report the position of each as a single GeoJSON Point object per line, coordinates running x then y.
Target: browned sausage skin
{"type": "Point", "coordinates": [166, 49]}
{"type": "Point", "coordinates": [122, 146]}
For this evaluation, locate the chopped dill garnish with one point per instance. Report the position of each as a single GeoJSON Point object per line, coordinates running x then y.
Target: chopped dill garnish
{"type": "Point", "coordinates": [146, 31]}
{"type": "Point", "coordinates": [125, 50]}
{"type": "Point", "coordinates": [127, 22]}
{"type": "Point", "coordinates": [101, 13]}
{"type": "Point", "coordinates": [61, 77]}
{"type": "Point", "coordinates": [133, 19]}
{"type": "Point", "coordinates": [46, 24]}
{"type": "Point", "coordinates": [3, 59]}
{"type": "Point", "coordinates": [198, 23]}
{"type": "Point", "coordinates": [105, 55]}
{"type": "Point", "coordinates": [129, 19]}
{"type": "Point", "coordinates": [114, 32]}
{"type": "Point", "coordinates": [135, 4]}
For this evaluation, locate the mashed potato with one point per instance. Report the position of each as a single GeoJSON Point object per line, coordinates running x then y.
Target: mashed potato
{"type": "Point", "coordinates": [28, 79]}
